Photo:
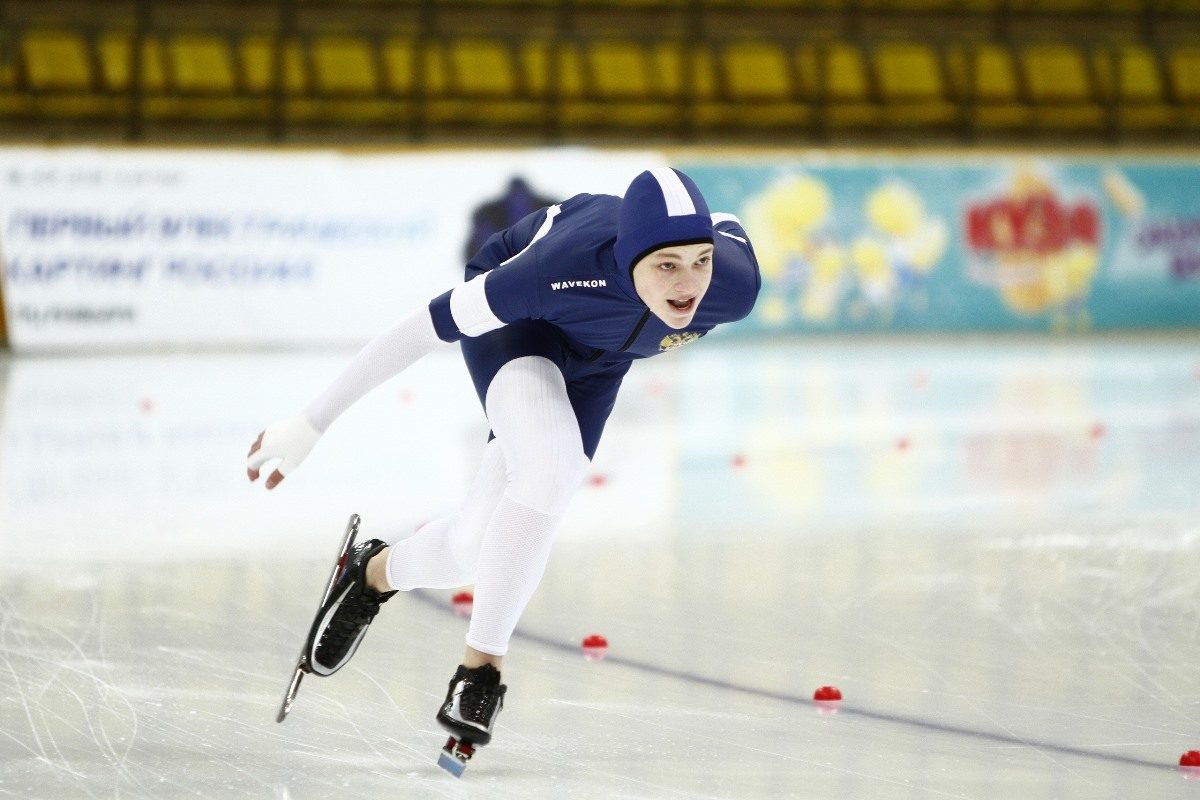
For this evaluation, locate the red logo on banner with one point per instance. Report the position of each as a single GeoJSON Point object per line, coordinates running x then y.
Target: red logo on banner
{"type": "Point", "coordinates": [1038, 250]}
{"type": "Point", "coordinates": [1039, 223]}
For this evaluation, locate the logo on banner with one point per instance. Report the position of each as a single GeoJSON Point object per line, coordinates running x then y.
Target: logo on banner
{"type": "Point", "coordinates": [1166, 247]}
{"type": "Point", "coordinates": [1038, 248]}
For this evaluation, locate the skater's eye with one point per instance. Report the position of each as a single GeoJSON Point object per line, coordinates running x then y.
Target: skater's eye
{"type": "Point", "coordinates": [704, 261]}
{"type": "Point", "coordinates": [666, 265]}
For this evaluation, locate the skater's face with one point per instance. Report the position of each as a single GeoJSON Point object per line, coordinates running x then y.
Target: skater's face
{"type": "Point", "coordinates": [673, 280]}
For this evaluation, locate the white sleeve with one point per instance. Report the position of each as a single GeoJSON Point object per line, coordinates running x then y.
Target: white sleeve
{"type": "Point", "coordinates": [388, 354]}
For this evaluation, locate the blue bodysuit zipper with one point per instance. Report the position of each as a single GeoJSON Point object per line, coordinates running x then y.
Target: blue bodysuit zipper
{"type": "Point", "coordinates": [628, 342]}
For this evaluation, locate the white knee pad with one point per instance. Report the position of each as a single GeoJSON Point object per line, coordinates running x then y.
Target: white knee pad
{"type": "Point", "coordinates": [531, 415]}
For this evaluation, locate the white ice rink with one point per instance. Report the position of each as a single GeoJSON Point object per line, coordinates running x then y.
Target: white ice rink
{"type": "Point", "coordinates": [992, 546]}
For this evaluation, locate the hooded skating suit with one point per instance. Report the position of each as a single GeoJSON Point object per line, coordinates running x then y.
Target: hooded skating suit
{"type": "Point", "coordinates": [559, 284]}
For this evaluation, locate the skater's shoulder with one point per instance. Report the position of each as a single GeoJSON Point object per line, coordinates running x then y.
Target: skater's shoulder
{"type": "Point", "coordinates": [736, 279]}
{"type": "Point", "coordinates": [589, 211]}
{"type": "Point", "coordinates": [579, 232]}
{"type": "Point", "coordinates": [593, 203]}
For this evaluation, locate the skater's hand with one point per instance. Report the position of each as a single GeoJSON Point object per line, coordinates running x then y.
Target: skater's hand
{"type": "Point", "coordinates": [288, 441]}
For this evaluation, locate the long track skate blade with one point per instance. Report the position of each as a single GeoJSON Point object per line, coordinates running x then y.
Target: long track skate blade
{"type": "Point", "coordinates": [451, 764]}
{"type": "Point", "coordinates": [289, 696]}
{"type": "Point", "coordinates": [339, 565]}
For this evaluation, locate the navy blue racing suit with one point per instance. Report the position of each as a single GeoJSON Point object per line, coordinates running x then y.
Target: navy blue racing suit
{"type": "Point", "coordinates": [550, 286]}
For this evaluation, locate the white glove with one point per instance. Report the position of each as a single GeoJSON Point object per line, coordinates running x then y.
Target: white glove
{"type": "Point", "coordinates": [289, 441]}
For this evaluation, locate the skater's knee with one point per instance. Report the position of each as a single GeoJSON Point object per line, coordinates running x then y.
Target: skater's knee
{"type": "Point", "coordinates": [548, 484]}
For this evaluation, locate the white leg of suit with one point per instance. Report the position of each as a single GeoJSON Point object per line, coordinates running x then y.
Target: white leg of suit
{"type": "Point", "coordinates": [531, 416]}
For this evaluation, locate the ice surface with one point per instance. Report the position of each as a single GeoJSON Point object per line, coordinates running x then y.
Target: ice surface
{"type": "Point", "coordinates": [991, 546]}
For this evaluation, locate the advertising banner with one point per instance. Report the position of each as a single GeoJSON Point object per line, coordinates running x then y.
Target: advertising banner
{"type": "Point", "coordinates": [187, 248]}
{"type": "Point", "coordinates": [985, 243]}
{"type": "Point", "coordinates": [211, 248]}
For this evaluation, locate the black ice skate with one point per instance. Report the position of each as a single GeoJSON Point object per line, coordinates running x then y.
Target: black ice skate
{"type": "Point", "coordinates": [473, 702]}
{"type": "Point", "coordinates": [342, 621]}
{"type": "Point", "coordinates": [346, 609]}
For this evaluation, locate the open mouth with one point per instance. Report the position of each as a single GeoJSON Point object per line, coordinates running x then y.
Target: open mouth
{"type": "Point", "coordinates": [682, 305]}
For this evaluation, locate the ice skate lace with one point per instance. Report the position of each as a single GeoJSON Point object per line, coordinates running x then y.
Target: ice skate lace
{"type": "Point", "coordinates": [354, 614]}
{"type": "Point", "coordinates": [479, 701]}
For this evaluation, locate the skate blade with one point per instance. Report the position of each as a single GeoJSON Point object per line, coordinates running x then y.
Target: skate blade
{"type": "Point", "coordinates": [339, 566]}
{"type": "Point", "coordinates": [454, 756]}
{"type": "Point", "coordinates": [289, 696]}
